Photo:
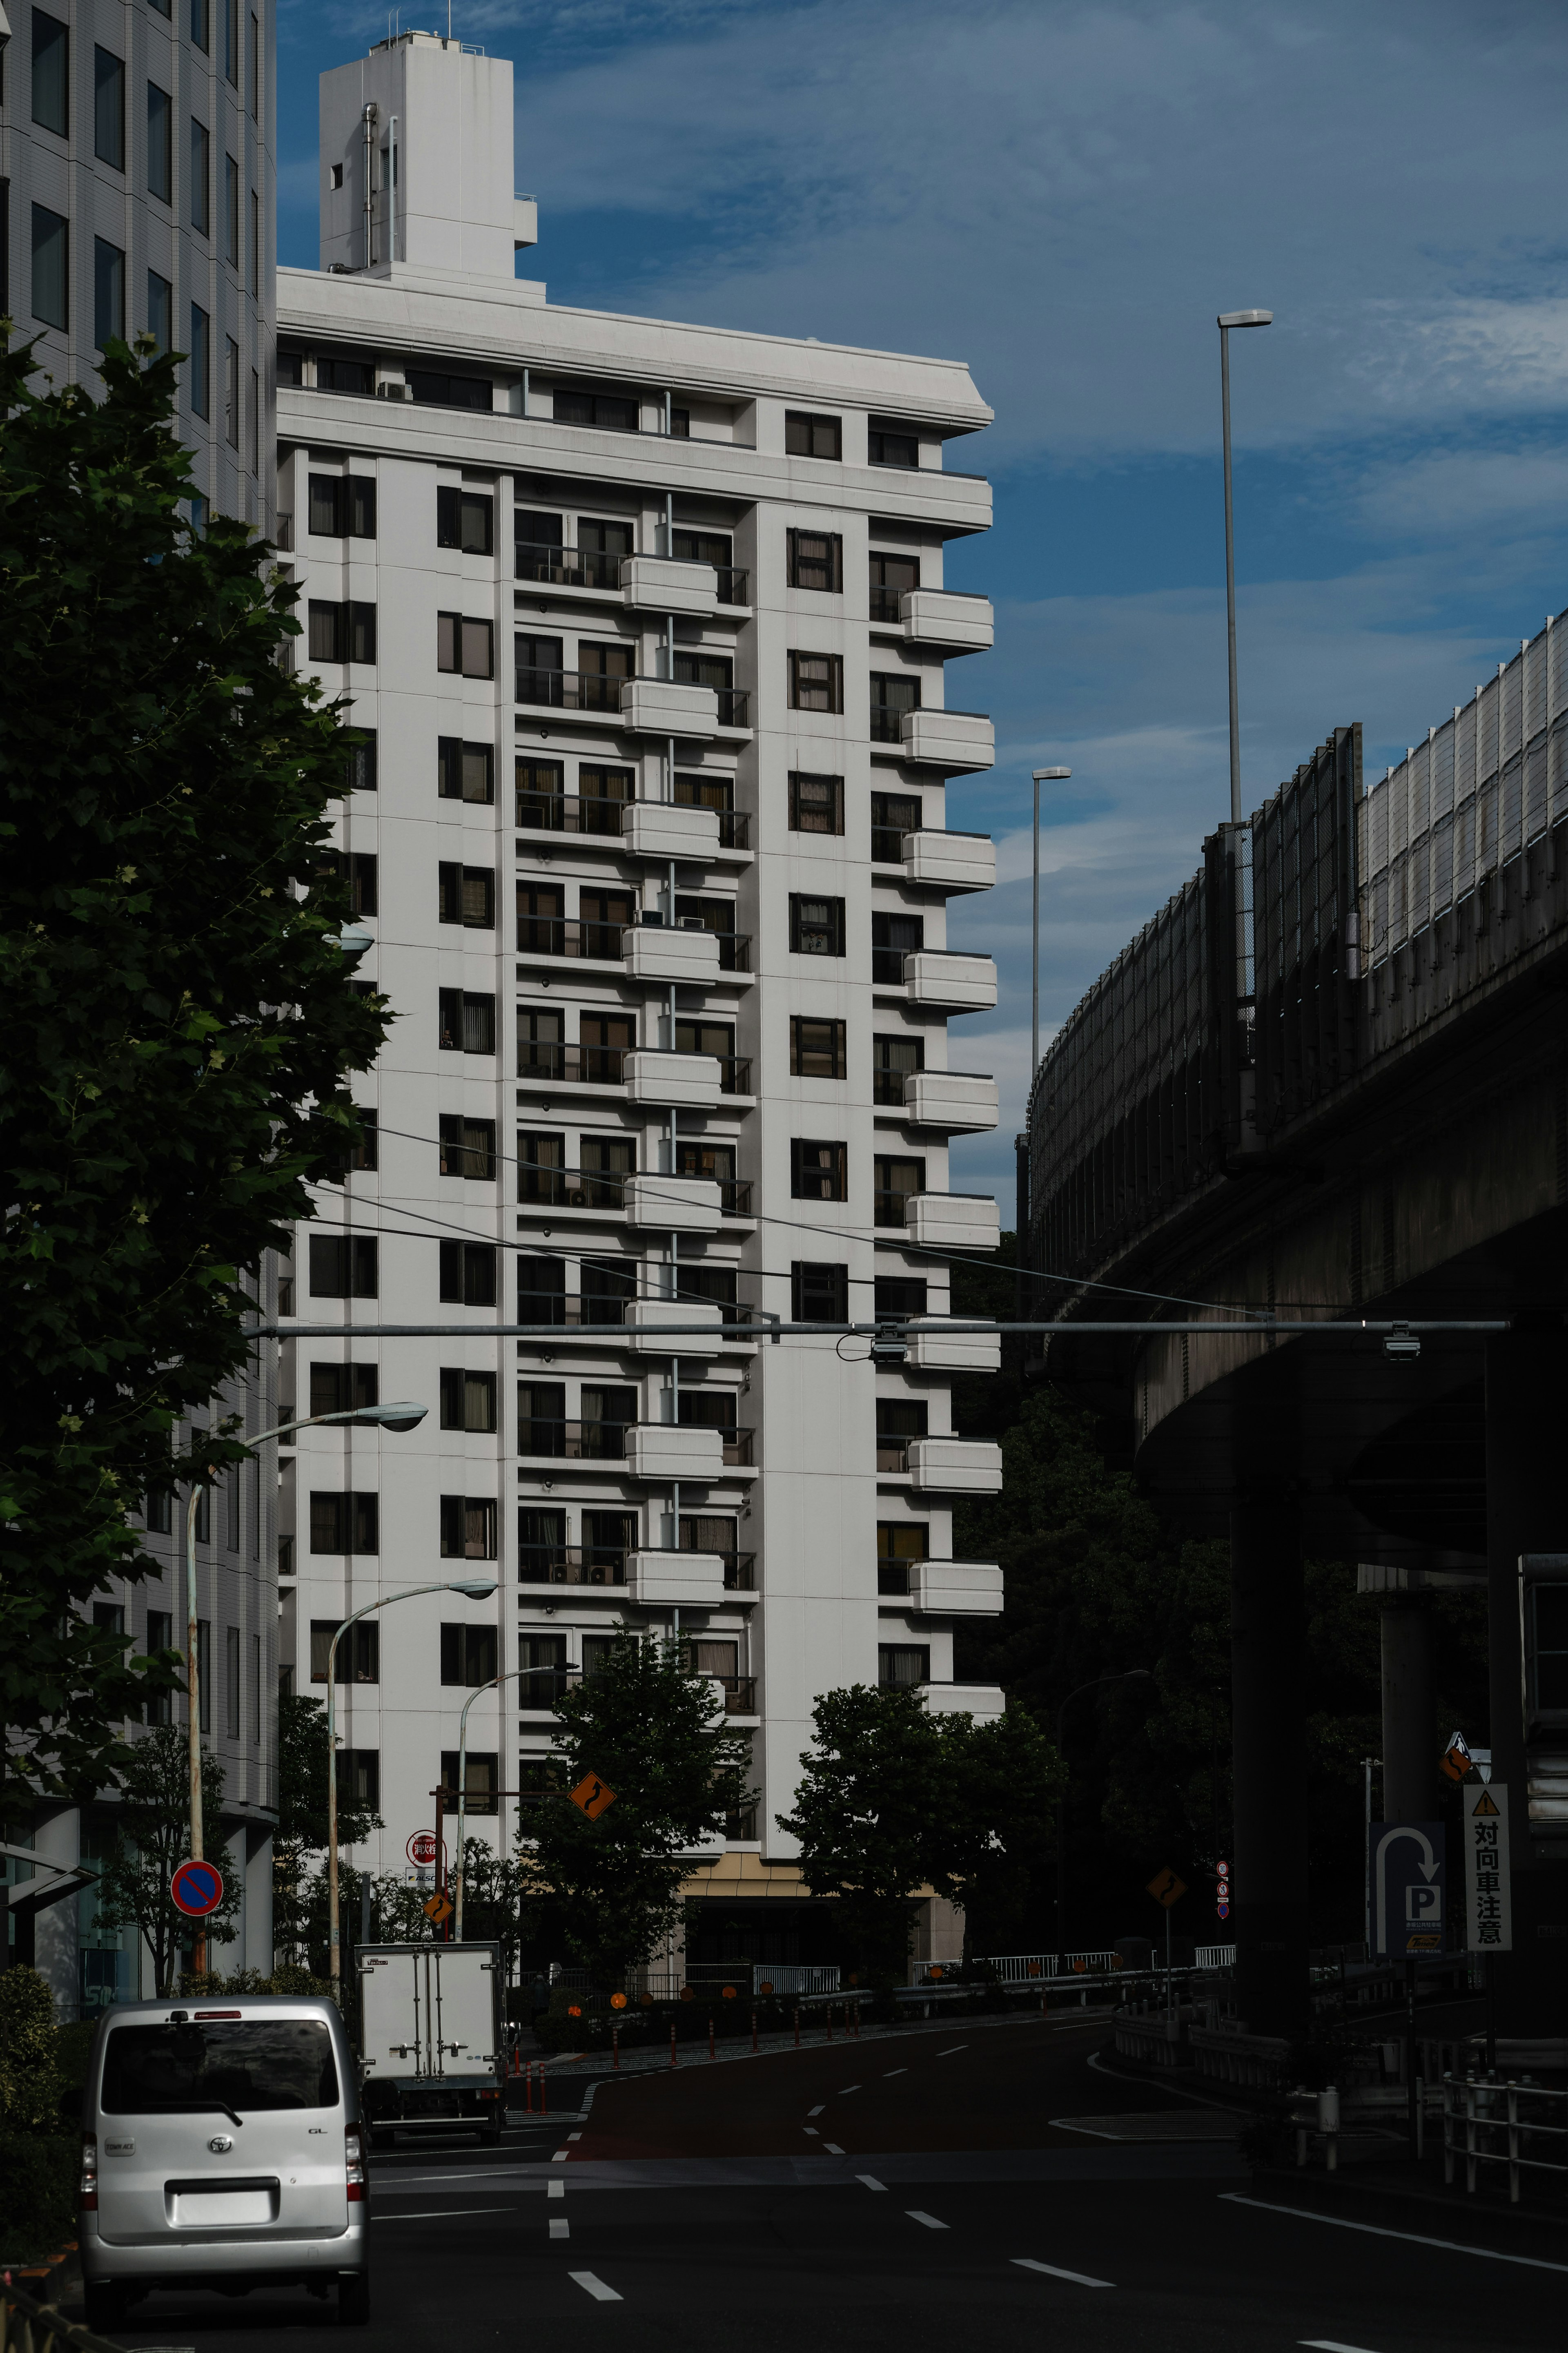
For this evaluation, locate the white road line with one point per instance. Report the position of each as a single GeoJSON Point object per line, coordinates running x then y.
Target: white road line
{"type": "Point", "coordinates": [444, 2213]}
{"type": "Point", "coordinates": [560, 2228]}
{"type": "Point", "coordinates": [573, 2135]}
{"type": "Point", "coordinates": [812, 2130]}
{"type": "Point", "coordinates": [833, 2149]}
{"type": "Point", "coordinates": [555, 2188]}
{"type": "Point", "coordinates": [870, 2182]}
{"type": "Point", "coordinates": [595, 2287]}
{"type": "Point", "coordinates": [847, 2089]}
{"type": "Point", "coordinates": [1079, 2279]}
{"type": "Point", "coordinates": [561, 2157]}
{"type": "Point", "coordinates": [894, 2070]}
{"type": "Point", "coordinates": [816, 2111]}
{"type": "Point", "coordinates": [953, 2051]}
{"type": "Point", "coordinates": [1380, 2230]}
{"type": "Point", "coordinates": [928, 2219]}
{"type": "Point", "coordinates": [1330, 2344]}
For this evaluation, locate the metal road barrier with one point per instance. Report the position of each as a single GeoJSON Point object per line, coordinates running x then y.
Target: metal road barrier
{"type": "Point", "coordinates": [28, 2326]}
{"type": "Point", "coordinates": [1523, 2125]}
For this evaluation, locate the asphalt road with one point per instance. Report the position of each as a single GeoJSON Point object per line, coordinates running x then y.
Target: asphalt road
{"type": "Point", "coordinates": [859, 2195]}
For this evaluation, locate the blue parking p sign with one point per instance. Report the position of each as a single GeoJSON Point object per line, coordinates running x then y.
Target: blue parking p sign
{"type": "Point", "coordinates": [1407, 1867]}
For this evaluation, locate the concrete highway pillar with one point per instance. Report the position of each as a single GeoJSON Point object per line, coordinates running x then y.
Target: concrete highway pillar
{"type": "Point", "coordinates": [1527, 1511]}
{"type": "Point", "coordinates": [1267, 1620]}
{"type": "Point", "coordinates": [1409, 1713]}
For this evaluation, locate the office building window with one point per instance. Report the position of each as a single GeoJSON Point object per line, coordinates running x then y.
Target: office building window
{"type": "Point", "coordinates": [108, 109]}
{"type": "Point", "coordinates": [465, 519]}
{"type": "Point", "coordinates": [201, 181]}
{"type": "Point", "coordinates": [108, 292]}
{"type": "Point", "coordinates": [253, 275]}
{"type": "Point", "coordinates": [441, 391]}
{"type": "Point", "coordinates": [159, 310]}
{"type": "Point", "coordinates": [51, 267]}
{"type": "Point", "coordinates": [816, 802]}
{"type": "Point", "coordinates": [356, 871]}
{"type": "Point", "coordinates": [611, 412]}
{"type": "Point", "coordinates": [358, 1659]}
{"type": "Point", "coordinates": [362, 762]}
{"type": "Point", "coordinates": [343, 1266]}
{"type": "Point", "coordinates": [231, 392]}
{"type": "Point", "coordinates": [466, 1021]}
{"type": "Point", "coordinates": [467, 771]}
{"type": "Point", "coordinates": [468, 1273]}
{"type": "Point", "coordinates": [255, 74]}
{"type": "Point", "coordinates": [201, 25]}
{"type": "Point", "coordinates": [903, 1664]}
{"type": "Point", "coordinates": [468, 1529]}
{"type": "Point", "coordinates": [359, 1779]}
{"type": "Point", "coordinates": [816, 561]}
{"type": "Point", "coordinates": [231, 210]}
{"type": "Point", "coordinates": [51, 73]}
{"type": "Point", "coordinates": [342, 1388]}
{"type": "Point", "coordinates": [344, 376]}
{"type": "Point", "coordinates": [467, 1147]}
{"type": "Point", "coordinates": [342, 633]}
{"type": "Point", "coordinates": [255, 422]}
{"type": "Point", "coordinates": [204, 1668]}
{"type": "Point", "coordinates": [341, 506]}
{"type": "Point", "coordinates": [256, 1691]}
{"type": "Point", "coordinates": [465, 895]}
{"type": "Point", "coordinates": [481, 1774]}
{"type": "Point", "coordinates": [231, 41]}
{"type": "Point", "coordinates": [200, 364]}
{"type": "Point", "coordinates": [345, 1523]}
{"type": "Point", "coordinates": [468, 1399]}
{"type": "Point", "coordinates": [888, 447]}
{"type": "Point", "coordinates": [231, 1680]}
{"type": "Point", "coordinates": [818, 1171]}
{"type": "Point", "coordinates": [816, 1048]}
{"type": "Point", "coordinates": [160, 144]}
{"type": "Point", "coordinates": [465, 645]}
{"type": "Point", "coordinates": [812, 437]}
{"type": "Point", "coordinates": [815, 682]}
{"type": "Point", "coordinates": [816, 925]}
{"type": "Point", "coordinates": [818, 1293]}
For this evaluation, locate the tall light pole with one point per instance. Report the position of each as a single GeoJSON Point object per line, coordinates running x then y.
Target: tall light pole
{"type": "Point", "coordinates": [1042, 777]}
{"type": "Point", "coordinates": [402, 1416]}
{"type": "Point", "coordinates": [1226, 322]}
{"type": "Point", "coordinates": [474, 1588]}
{"type": "Point", "coordinates": [1132, 1675]}
{"type": "Point", "coordinates": [513, 1674]}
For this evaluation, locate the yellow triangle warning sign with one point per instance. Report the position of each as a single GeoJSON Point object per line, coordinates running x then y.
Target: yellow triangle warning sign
{"type": "Point", "coordinates": [1484, 1804]}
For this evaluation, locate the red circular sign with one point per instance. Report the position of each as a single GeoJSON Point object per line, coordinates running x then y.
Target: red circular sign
{"type": "Point", "coordinates": [198, 1888]}
{"type": "Point", "coordinates": [422, 1849]}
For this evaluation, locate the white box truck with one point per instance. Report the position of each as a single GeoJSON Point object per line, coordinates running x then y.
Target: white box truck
{"type": "Point", "coordinates": [431, 2040]}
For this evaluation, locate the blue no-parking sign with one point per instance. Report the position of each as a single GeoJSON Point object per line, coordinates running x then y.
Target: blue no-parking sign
{"type": "Point", "coordinates": [198, 1888]}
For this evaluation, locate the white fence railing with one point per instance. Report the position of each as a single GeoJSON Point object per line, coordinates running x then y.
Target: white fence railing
{"type": "Point", "coordinates": [1520, 2125]}
{"type": "Point", "coordinates": [794, 1976]}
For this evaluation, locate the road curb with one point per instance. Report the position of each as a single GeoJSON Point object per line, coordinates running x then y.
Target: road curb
{"type": "Point", "coordinates": [1430, 2213]}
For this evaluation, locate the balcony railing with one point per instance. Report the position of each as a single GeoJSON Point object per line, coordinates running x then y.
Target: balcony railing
{"type": "Point", "coordinates": [737, 1444]}
{"type": "Point", "coordinates": [735, 825]}
{"type": "Point", "coordinates": [568, 689]}
{"type": "Point", "coordinates": [734, 585]}
{"type": "Point", "coordinates": [603, 1188]}
{"type": "Point", "coordinates": [892, 1453]}
{"type": "Point", "coordinates": [740, 1694]}
{"type": "Point", "coordinates": [887, 1086]}
{"type": "Point", "coordinates": [887, 844]}
{"type": "Point", "coordinates": [570, 1564]}
{"type": "Point", "coordinates": [572, 1189]}
{"type": "Point", "coordinates": [885, 603]}
{"type": "Point", "coordinates": [537, 1695]}
{"type": "Point", "coordinates": [569, 567]}
{"type": "Point", "coordinates": [894, 1575]}
{"type": "Point", "coordinates": [888, 1203]}
{"type": "Point", "coordinates": [569, 813]}
{"type": "Point", "coordinates": [570, 936]}
{"type": "Point", "coordinates": [733, 704]}
{"type": "Point", "coordinates": [573, 1441]}
{"type": "Point", "coordinates": [886, 721]}
{"type": "Point", "coordinates": [589, 1066]}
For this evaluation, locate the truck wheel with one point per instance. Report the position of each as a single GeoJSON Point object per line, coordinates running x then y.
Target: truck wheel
{"type": "Point", "coordinates": [354, 2300]}
{"type": "Point", "coordinates": [103, 2307]}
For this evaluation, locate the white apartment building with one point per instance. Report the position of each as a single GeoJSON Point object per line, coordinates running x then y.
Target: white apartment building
{"type": "Point", "coordinates": [647, 624]}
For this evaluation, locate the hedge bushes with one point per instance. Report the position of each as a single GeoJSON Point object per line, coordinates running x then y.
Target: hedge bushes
{"type": "Point", "coordinates": [39, 2147]}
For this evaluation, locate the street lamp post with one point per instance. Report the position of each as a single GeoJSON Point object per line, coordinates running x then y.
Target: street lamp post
{"type": "Point", "coordinates": [1042, 777]}
{"type": "Point", "coordinates": [1226, 322]}
{"type": "Point", "coordinates": [398, 1416]}
{"type": "Point", "coordinates": [513, 1674]}
{"type": "Point", "coordinates": [1132, 1675]}
{"type": "Point", "coordinates": [475, 1590]}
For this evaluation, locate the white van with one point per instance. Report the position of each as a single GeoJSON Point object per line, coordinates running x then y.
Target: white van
{"type": "Point", "coordinates": [222, 2148]}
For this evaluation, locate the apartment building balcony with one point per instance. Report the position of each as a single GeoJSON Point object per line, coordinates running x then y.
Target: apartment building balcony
{"type": "Point", "coordinates": [651, 1315]}
{"type": "Point", "coordinates": [673, 1204]}
{"type": "Point", "coordinates": [735, 1695]}
{"type": "Point", "coordinates": [983, 1699]}
{"type": "Point", "coordinates": [947, 617]}
{"type": "Point", "coordinates": [648, 706]}
{"type": "Point", "coordinates": [609, 576]}
{"type": "Point", "coordinates": [659, 1075]}
{"type": "Point", "coordinates": [953, 741]}
{"type": "Point", "coordinates": [686, 954]}
{"type": "Point", "coordinates": [949, 978]}
{"type": "Point", "coordinates": [949, 862]}
{"type": "Point", "coordinates": [954, 1466]}
{"type": "Point", "coordinates": [667, 1450]}
{"type": "Point", "coordinates": [594, 1566]}
{"type": "Point", "coordinates": [542, 1693]}
{"type": "Point", "coordinates": [665, 706]}
{"type": "Point", "coordinates": [584, 690]}
{"type": "Point", "coordinates": [541, 1439]}
{"type": "Point", "coordinates": [543, 1062]}
{"type": "Point", "coordinates": [953, 1221]}
{"type": "Point", "coordinates": [933, 1347]}
{"type": "Point", "coordinates": [959, 1102]}
{"type": "Point", "coordinates": [574, 939]}
{"type": "Point", "coordinates": [666, 829]}
{"type": "Point", "coordinates": [603, 1193]}
{"type": "Point", "coordinates": [596, 815]}
{"type": "Point", "coordinates": [669, 584]}
{"type": "Point", "coordinates": [946, 1589]}
{"type": "Point", "coordinates": [666, 1579]}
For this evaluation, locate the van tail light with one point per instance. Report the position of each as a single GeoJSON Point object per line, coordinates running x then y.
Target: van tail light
{"type": "Point", "coordinates": [353, 2165]}
{"type": "Point", "coordinates": [86, 2197]}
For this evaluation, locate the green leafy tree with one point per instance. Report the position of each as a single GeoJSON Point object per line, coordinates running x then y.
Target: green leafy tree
{"type": "Point", "coordinates": [178, 1018]}
{"type": "Point", "coordinates": [151, 1837]}
{"type": "Point", "coordinates": [994, 1834]}
{"type": "Point", "coordinates": [867, 1812]}
{"type": "Point", "coordinates": [299, 1922]}
{"type": "Point", "coordinates": [644, 1725]}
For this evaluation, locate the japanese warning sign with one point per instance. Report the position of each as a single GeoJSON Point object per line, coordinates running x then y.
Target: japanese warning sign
{"type": "Point", "coordinates": [1489, 1910]}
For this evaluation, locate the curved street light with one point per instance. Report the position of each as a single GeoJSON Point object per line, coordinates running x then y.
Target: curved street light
{"type": "Point", "coordinates": [1130, 1675]}
{"type": "Point", "coordinates": [513, 1674]}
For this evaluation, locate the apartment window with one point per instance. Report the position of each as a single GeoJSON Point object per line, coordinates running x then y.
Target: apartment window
{"type": "Point", "coordinates": [897, 1297]}
{"type": "Point", "coordinates": [231, 392]}
{"type": "Point", "coordinates": [481, 1771]}
{"type": "Point", "coordinates": [464, 646]}
{"type": "Point", "coordinates": [108, 109]}
{"type": "Point", "coordinates": [894, 937]}
{"type": "Point", "coordinates": [366, 1154]}
{"type": "Point", "coordinates": [816, 925]}
{"type": "Point", "coordinates": [253, 275]}
{"type": "Point", "coordinates": [468, 1399]}
{"type": "Point", "coordinates": [341, 506]}
{"type": "Point", "coordinates": [201, 24]}
{"type": "Point", "coordinates": [51, 74]}
{"type": "Point", "coordinates": [465, 895]}
{"type": "Point", "coordinates": [359, 1779]}
{"type": "Point", "coordinates": [345, 1523]}
{"type": "Point", "coordinates": [108, 292]}
{"type": "Point", "coordinates": [231, 1680]}
{"type": "Point", "coordinates": [157, 1511]}
{"type": "Point", "coordinates": [231, 1507]}
{"type": "Point", "coordinates": [356, 871]}
{"type": "Point", "coordinates": [816, 802]}
{"type": "Point", "coordinates": [466, 519]}
{"type": "Point", "coordinates": [342, 633]}
{"type": "Point", "coordinates": [467, 1022]}
{"type": "Point", "coordinates": [231, 210]}
{"type": "Point", "coordinates": [540, 1281]}
{"type": "Point", "coordinates": [815, 682]}
{"type": "Point", "coordinates": [358, 1659]}
{"type": "Point", "coordinates": [201, 191]}
{"type": "Point", "coordinates": [610, 1285]}
{"type": "Point", "coordinates": [886, 447]}
{"type": "Point", "coordinates": [255, 76]}
{"type": "Point", "coordinates": [343, 1266]}
{"type": "Point", "coordinates": [255, 1690]}
{"type": "Point", "coordinates": [442, 391]}
{"type": "Point", "coordinates": [201, 363]}
{"type": "Point", "coordinates": [893, 1060]}
{"type": "Point", "coordinates": [816, 561]}
{"type": "Point", "coordinates": [231, 41]}
{"type": "Point", "coordinates": [160, 144]}
{"type": "Point", "coordinates": [342, 1388]}
{"type": "Point", "coordinates": [812, 437]}
{"type": "Point", "coordinates": [892, 693]}
{"type": "Point", "coordinates": [691, 668]}
{"type": "Point", "coordinates": [540, 1160]}
{"type": "Point", "coordinates": [818, 1293]}
{"type": "Point", "coordinates": [51, 267]}
{"type": "Point", "coordinates": [160, 310]}
{"type": "Point", "coordinates": [204, 1658]}
{"type": "Point", "coordinates": [344, 376]}
{"type": "Point", "coordinates": [714, 547]}
{"type": "Point", "coordinates": [894, 1181]}
{"type": "Point", "coordinates": [903, 1665]}
{"type": "Point", "coordinates": [891, 578]}
{"type": "Point", "coordinates": [610, 412]}
{"type": "Point", "coordinates": [466, 771]}
{"type": "Point", "coordinates": [818, 1172]}
{"type": "Point", "coordinates": [892, 815]}
{"type": "Point", "coordinates": [255, 422]}
{"type": "Point", "coordinates": [160, 1637]}
{"type": "Point", "coordinates": [468, 1273]}
{"type": "Point", "coordinates": [361, 763]}
{"type": "Point", "coordinates": [898, 1421]}
{"type": "Point", "coordinates": [467, 1147]}
{"type": "Point", "coordinates": [816, 1048]}
{"type": "Point", "coordinates": [468, 1530]}
{"type": "Point", "coordinates": [541, 1418]}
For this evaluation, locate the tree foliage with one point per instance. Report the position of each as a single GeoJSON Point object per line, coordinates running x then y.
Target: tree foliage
{"type": "Point", "coordinates": [298, 1885]}
{"type": "Point", "coordinates": [644, 1725]}
{"type": "Point", "coordinates": [178, 1019]}
{"type": "Point", "coordinates": [151, 1837]}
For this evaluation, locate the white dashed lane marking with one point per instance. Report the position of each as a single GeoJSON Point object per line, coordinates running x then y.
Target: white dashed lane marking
{"type": "Point", "coordinates": [560, 2228]}
{"type": "Point", "coordinates": [870, 2182]}
{"type": "Point", "coordinates": [590, 2282]}
{"type": "Point", "coordinates": [1079, 2279]}
{"type": "Point", "coordinates": [930, 2221]}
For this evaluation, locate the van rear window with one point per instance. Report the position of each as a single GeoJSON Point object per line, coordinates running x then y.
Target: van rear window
{"type": "Point", "coordinates": [262, 2062]}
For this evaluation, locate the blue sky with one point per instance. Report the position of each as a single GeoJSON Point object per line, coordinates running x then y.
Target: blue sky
{"type": "Point", "coordinates": [1065, 196]}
